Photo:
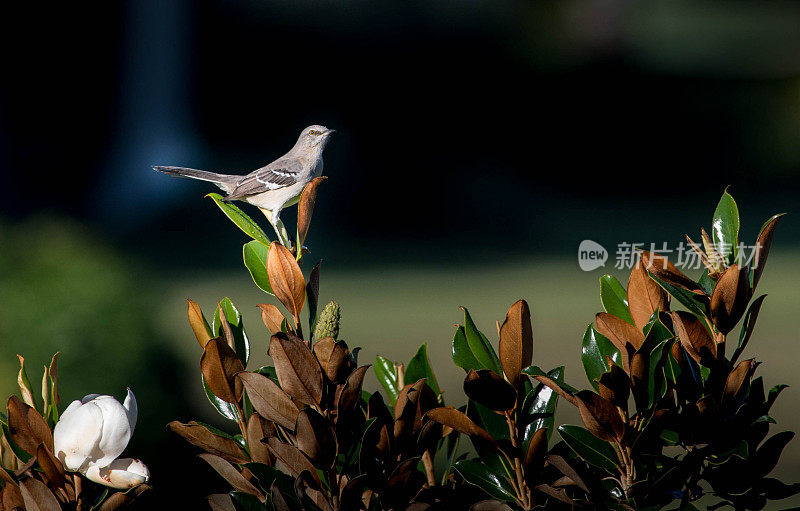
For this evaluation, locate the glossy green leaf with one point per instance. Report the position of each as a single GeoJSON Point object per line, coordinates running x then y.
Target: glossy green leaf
{"type": "Point", "coordinates": [420, 367]}
{"type": "Point", "coordinates": [594, 350]}
{"type": "Point", "coordinates": [462, 355]}
{"type": "Point", "coordinates": [479, 345]}
{"type": "Point", "coordinates": [489, 420]}
{"type": "Point", "coordinates": [614, 298]}
{"type": "Point", "coordinates": [240, 219]}
{"type": "Point", "coordinates": [707, 283]}
{"type": "Point", "coordinates": [748, 325]}
{"type": "Point", "coordinates": [690, 300]}
{"type": "Point", "coordinates": [593, 450]}
{"type": "Point", "coordinates": [478, 474]}
{"type": "Point", "coordinates": [224, 408]}
{"type": "Point", "coordinates": [672, 371]}
{"type": "Point", "coordinates": [740, 450]}
{"type": "Point", "coordinates": [539, 408]}
{"type": "Point", "coordinates": [537, 371]}
{"type": "Point", "coordinates": [255, 260]}
{"type": "Point", "coordinates": [489, 455]}
{"type": "Point", "coordinates": [725, 228]}
{"type": "Point", "coordinates": [386, 373]}
{"type": "Point", "coordinates": [669, 437]}
{"type": "Point", "coordinates": [657, 382]}
{"type": "Point", "coordinates": [234, 318]}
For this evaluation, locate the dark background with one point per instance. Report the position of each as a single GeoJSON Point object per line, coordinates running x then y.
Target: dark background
{"type": "Point", "coordinates": [465, 130]}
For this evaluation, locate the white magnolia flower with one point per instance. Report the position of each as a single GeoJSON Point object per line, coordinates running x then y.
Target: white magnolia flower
{"type": "Point", "coordinates": [92, 433]}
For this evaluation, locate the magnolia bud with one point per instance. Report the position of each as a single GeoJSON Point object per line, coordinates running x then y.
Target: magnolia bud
{"type": "Point", "coordinates": [328, 323]}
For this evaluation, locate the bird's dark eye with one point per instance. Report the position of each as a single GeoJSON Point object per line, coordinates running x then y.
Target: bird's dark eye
{"type": "Point", "coordinates": [312, 132]}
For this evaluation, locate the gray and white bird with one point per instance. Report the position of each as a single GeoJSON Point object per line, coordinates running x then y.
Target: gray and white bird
{"type": "Point", "coordinates": [275, 186]}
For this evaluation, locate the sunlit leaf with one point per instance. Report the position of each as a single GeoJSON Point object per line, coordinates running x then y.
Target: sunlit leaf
{"type": "Point", "coordinates": [240, 219]}
{"type": "Point", "coordinates": [595, 350]}
{"type": "Point", "coordinates": [420, 367]}
{"type": "Point", "coordinates": [462, 354]}
{"type": "Point", "coordinates": [725, 228]}
{"type": "Point", "coordinates": [478, 474]}
{"type": "Point", "coordinates": [255, 255]}
{"type": "Point", "coordinates": [234, 318]}
{"type": "Point", "coordinates": [593, 450]}
{"type": "Point", "coordinates": [614, 298]}
{"type": "Point", "coordinates": [479, 345]}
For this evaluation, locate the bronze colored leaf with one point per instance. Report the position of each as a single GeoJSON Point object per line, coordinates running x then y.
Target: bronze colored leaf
{"type": "Point", "coordinates": [558, 494]}
{"type": "Point", "coordinates": [737, 378]}
{"type": "Point", "coordinates": [308, 489]}
{"type": "Point", "coordinates": [615, 386]}
{"type": "Point", "coordinates": [645, 296]}
{"type": "Point", "coordinates": [350, 394]}
{"type": "Point", "coordinates": [660, 266]}
{"type": "Point", "coordinates": [200, 436]}
{"type": "Point", "coordinates": [620, 333]}
{"type": "Point", "coordinates": [271, 317]}
{"type": "Point", "coordinates": [537, 448]}
{"type": "Point", "coordinates": [334, 358]}
{"type": "Point", "coordinates": [695, 337]}
{"type": "Point", "coordinates": [290, 459]}
{"type": "Point", "coordinates": [219, 365]}
{"type": "Point", "coordinates": [52, 371]}
{"type": "Point", "coordinates": [220, 502]}
{"type": "Point", "coordinates": [120, 500]}
{"type": "Point", "coordinates": [489, 505]}
{"type": "Point", "coordinates": [516, 341]}
{"type": "Point", "coordinates": [730, 298]}
{"type": "Point", "coordinates": [197, 323]}
{"type": "Point", "coordinates": [640, 363]}
{"type": "Point", "coordinates": [231, 475]}
{"type": "Point", "coordinates": [565, 468]}
{"type": "Point", "coordinates": [258, 430]}
{"type": "Point", "coordinates": [268, 399]}
{"type": "Point", "coordinates": [37, 497]}
{"type": "Point", "coordinates": [316, 438]}
{"type": "Point", "coordinates": [412, 403]}
{"type": "Point", "coordinates": [27, 428]}
{"type": "Point", "coordinates": [24, 385]}
{"type": "Point", "coordinates": [763, 244]}
{"type": "Point", "coordinates": [286, 279]}
{"type": "Point", "coordinates": [227, 331]}
{"type": "Point", "coordinates": [350, 496]}
{"type": "Point", "coordinates": [52, 469]}
{"type": "Point", "coordinates": [297, 368]}
{"type": "Point", "coordinates": [557, 389]}
{"type": "Point", "coordinates": [600, 417]}
{"type": "Point", "coordinates": [449, 416]}
{"type": "Point", "coordinates": [11, 498]}
{"type": "Point", "coordinates": [278, 500]}
{"type": "Point", "coordinates": [306, 208]}
{"type": "Point", "coordinates": [490, 390]}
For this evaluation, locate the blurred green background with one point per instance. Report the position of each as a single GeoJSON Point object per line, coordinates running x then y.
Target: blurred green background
{"type": "Point", "coordinates": [478, 143]}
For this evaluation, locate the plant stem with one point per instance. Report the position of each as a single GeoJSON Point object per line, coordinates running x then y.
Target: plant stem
{"type": "Point", "coordinates": [427, 460]}
{"type": "Point", "coordinates": [522, 489]}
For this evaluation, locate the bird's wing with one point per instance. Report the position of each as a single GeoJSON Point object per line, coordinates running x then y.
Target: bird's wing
{"type": "Point", "coordinates": [278, 174]}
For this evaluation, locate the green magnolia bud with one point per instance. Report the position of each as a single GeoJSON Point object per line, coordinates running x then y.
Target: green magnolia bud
{"type": "Point", "coordinates": [328, 322]}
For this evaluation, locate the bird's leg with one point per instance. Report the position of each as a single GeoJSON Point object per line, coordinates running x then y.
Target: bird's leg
{"type": "Point", "coordinates": [275, 221]}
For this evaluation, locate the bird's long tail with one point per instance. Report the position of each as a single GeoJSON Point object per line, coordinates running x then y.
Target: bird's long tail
{"type": "Point", "coordinates": [225, 181]}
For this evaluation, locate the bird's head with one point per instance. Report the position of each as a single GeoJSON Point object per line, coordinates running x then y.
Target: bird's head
{"type": "Point", "coordinates": [314, 136]}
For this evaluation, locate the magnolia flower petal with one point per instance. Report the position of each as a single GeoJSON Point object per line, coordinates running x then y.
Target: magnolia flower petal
{"type": "Point", "coordinates": [122, 474]}
{"type": "Point", "coordinates": [76, 436]}
{"type": "Point", "coordinates": [116, 430]}
{"type": "Point", "coordinates": [132, 409]}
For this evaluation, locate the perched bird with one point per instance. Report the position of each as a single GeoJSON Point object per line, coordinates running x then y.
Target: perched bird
{"type": "Point", "coordinates": [275, 186]}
